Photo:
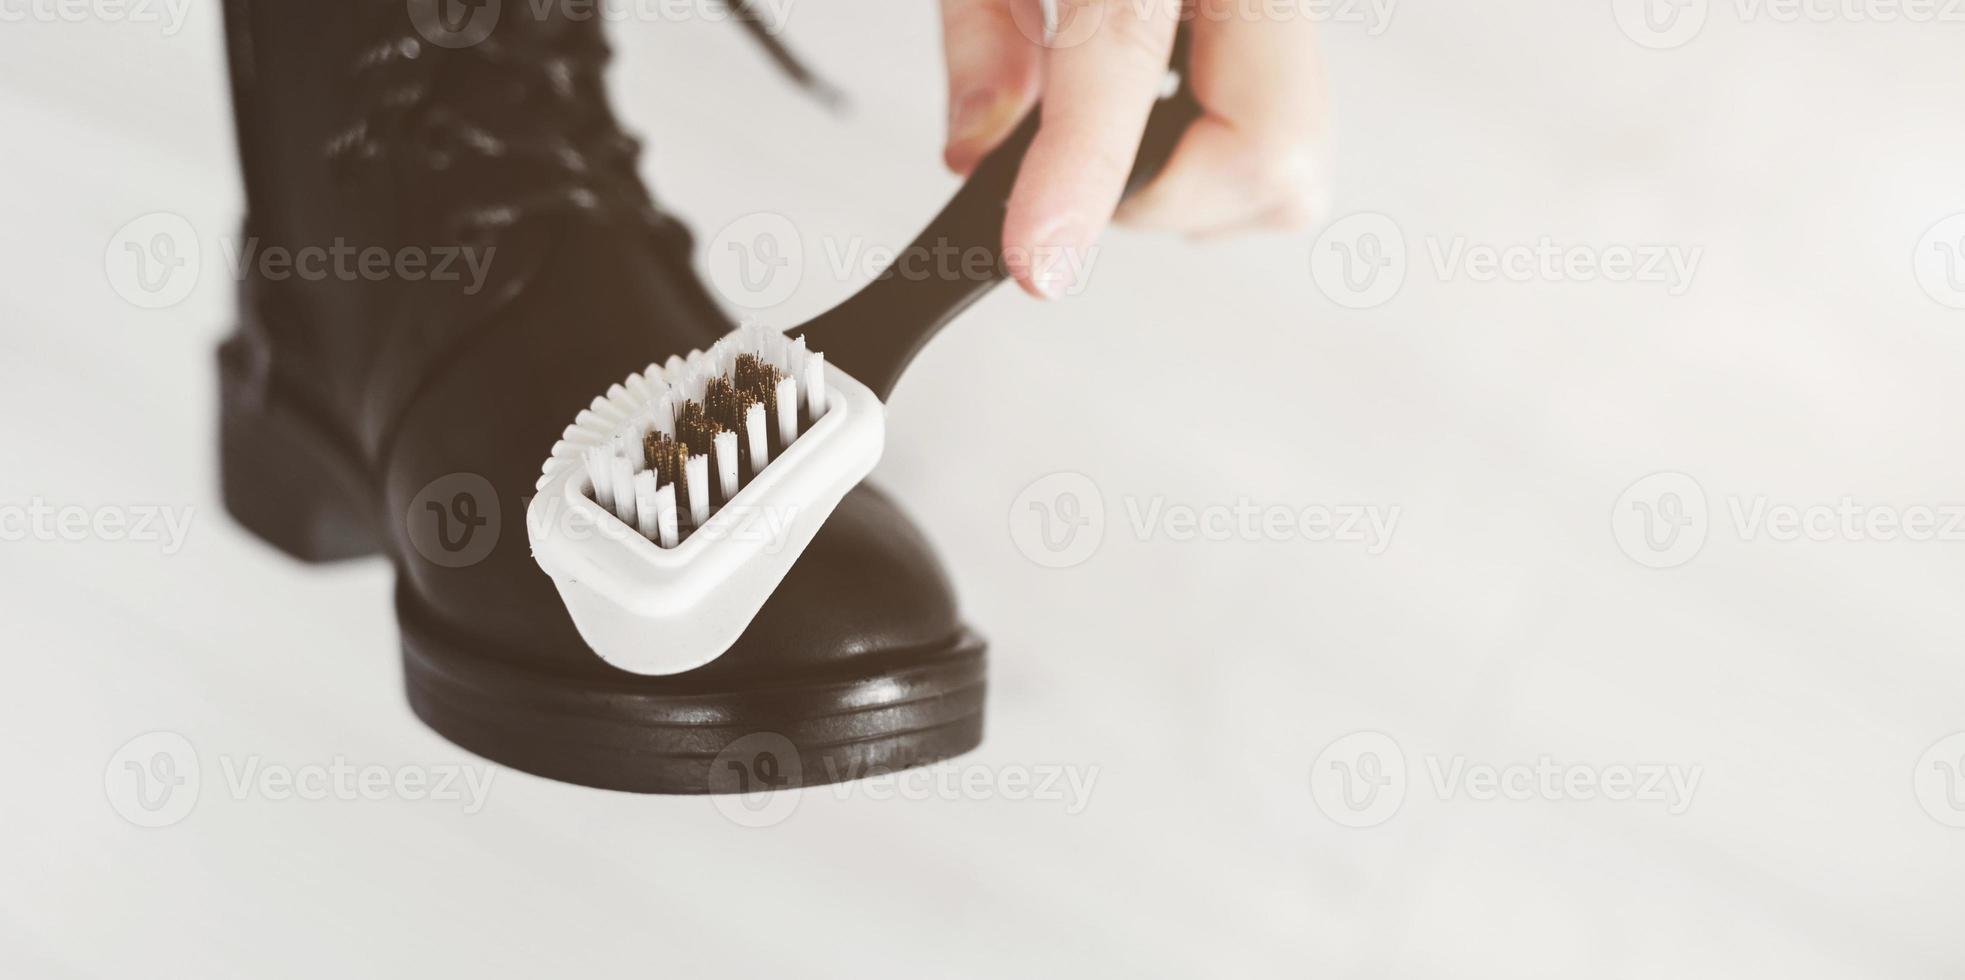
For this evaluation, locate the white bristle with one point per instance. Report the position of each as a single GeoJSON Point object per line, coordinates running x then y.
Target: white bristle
{"type": "Point", "coordinates": [760, 437]}
{"type": "Point", "coordinates": [691, 383]}
{"type": "Point", "coordinates": [787, 398]}
{"type": "Point", "coordinates": [624, 490]}
{"type": "Point", "coordinates": [697, 478]}
{"type": "Point", "coordinates": [662, 415]}
{"type": "Point", "coordinates": [795, 357]}
{"type": "Point", "coordinates": [774, 349]}
{"type": "Point", "coordinates": [640, 390]}
{"type": "Point", "coordinates": [602, 476]}
{"type": "Point", "coordinates": [726, 463]}
{"type": "Point", "coordinates": [665, 521]}
{"type": "Point", "coordinates": [647, 507]}
{"type": "Point", "coordinates": [627, 445]}
{"type": "Point", "coordinates": [815, 385]}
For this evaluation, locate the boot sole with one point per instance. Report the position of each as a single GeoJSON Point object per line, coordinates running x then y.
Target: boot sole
{"type": "Point", "coordinates": [287, 477]}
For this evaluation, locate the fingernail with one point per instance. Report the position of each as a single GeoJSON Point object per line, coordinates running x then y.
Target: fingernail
{"type": "Point", "coordinates": [1062, 253]}
{"type": "Point", "coordinates": [972, 120]}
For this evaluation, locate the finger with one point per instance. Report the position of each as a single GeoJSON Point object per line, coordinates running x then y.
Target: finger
{"type": "Point", "coordinates": [1205, 184]}
{"type": "Point", "coordinates": [994, 66]}
{"type": "Point", "coordinates": [1096, 98]}
{"type": "Point", "coordinates": [1258, 155]}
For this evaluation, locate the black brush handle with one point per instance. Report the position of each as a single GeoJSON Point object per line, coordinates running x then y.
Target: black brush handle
{"type": "Point", "coordinates": [877, 331]}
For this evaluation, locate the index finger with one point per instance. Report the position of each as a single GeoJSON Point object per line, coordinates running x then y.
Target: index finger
{"type": "Point", "coordinates": [1097, 96]}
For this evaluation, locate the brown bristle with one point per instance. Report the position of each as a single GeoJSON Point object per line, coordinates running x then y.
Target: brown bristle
{"type": "Point", "coordinates": [756, 377]}
{"type": "Point", "coordinates": [695, 429]}
{"type": "Point", "coordinates": [665, 456]}
{"type": "Point", "coordinates": [760, 381]}
{"type": "Point", "coordinates": [719, 399]}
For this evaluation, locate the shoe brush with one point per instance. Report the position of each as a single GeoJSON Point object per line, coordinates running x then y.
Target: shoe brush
{"type": "Point", "coordinates": [675, 503]}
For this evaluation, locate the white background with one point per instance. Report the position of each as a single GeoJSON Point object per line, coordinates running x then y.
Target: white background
{"type": "Point", "coordinates": [1201, 679]}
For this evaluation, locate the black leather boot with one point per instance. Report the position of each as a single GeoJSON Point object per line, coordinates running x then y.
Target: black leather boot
{"type": "Point", "coordinates": [381, 407]}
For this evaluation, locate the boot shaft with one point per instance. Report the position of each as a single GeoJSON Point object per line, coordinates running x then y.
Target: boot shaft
{"type": "Point", "coordinates": [405, 156]}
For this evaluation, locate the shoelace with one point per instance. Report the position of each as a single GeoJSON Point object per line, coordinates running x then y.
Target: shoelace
{"type": "Point", "coordinates": [528, 99]}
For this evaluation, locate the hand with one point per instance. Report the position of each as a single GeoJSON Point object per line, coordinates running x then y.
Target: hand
{"type": "Point", "coordinates": [1252, 161]}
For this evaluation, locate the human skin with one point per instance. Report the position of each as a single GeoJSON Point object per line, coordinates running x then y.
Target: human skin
{"type": "Point", "coordinates": [1252, 162]}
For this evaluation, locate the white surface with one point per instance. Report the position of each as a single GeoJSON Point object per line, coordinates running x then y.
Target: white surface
{"type": "Point", "coordinates": [1201, 679]}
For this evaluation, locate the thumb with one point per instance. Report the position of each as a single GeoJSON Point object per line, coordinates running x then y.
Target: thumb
{"type": "Point", "coordinates": [995, 64]}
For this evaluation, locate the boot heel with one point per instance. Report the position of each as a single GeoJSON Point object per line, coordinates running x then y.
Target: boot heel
{"type": "Point", "coordinates": [285, 478]}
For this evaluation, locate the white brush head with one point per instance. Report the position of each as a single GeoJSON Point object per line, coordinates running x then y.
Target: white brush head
{"type": "Point", "coordinates": [670, 591]}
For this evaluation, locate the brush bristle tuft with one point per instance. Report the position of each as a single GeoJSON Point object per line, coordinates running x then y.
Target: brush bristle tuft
{"type": "Point", "coordinates": [683, 437]}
